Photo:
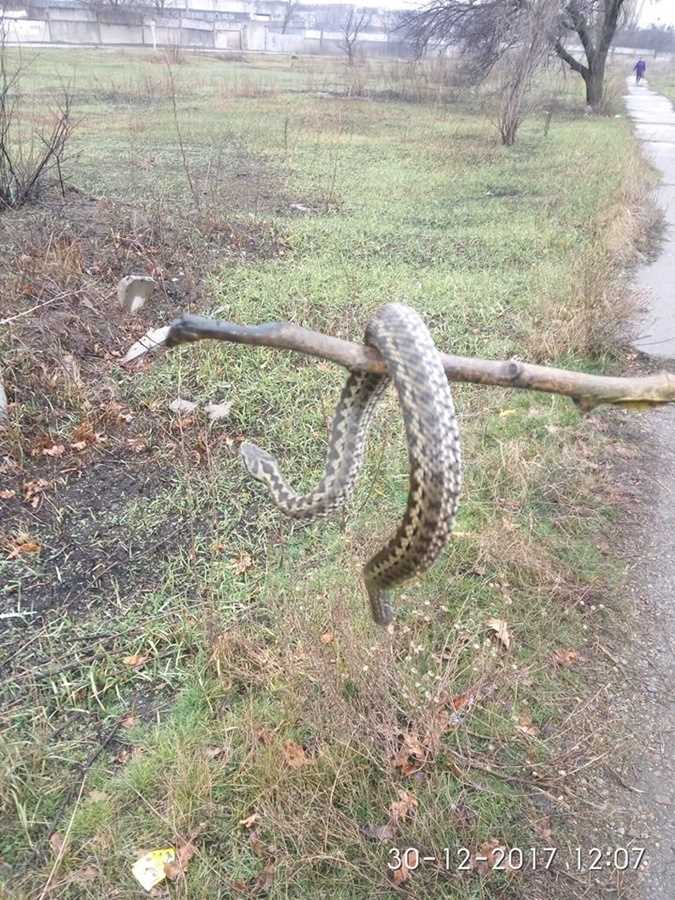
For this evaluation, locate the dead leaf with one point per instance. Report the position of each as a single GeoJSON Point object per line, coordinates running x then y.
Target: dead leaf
{"type": "Point", "coordinates": [266, 878]}
{"type": "Point", "coordinates": [401, 875]}
{"type": "Point", "coordinates": [184, 854]}
{"type": "Point", "coordinates": [96, 796]}
{"type": "Point", "coordinates": [295, 755]}
{"type": "Point", "coordinates": [56, 842]}
{"type": "Point", "coordinates": [565, 657]}
{"type": "Point", "coordinates": [182, 407]}
{"type": "Point", "coordinates": [137, 660]}
{"type": "Point", "coordinates": [403, 808]}
{"type": "Point", "coordinates": [242, 564]}
{"type": "Point", "coordinates": [488, 855]}
{"type": "Point", "coordinates": [327, 637]}
{"type": "Point", "coordinates": [411, 755]}
{"type": "Point", "coordinates": [380, 833]}
{"type": "Point", "coordinates": [217, 752]}
{"type": "Point", "coordinates": [82, 876]}
{"type": "Point", "coordinates": [459, 701]}
{"type": "Point", "coordinates": [216, 411]}
{"type": "Point", "coordinates": [129, 721]}
{"type": "Point", "coordinates": [23, 544]}
{"type": "Point", "coordinates": [439, 724]}
{"type": "Point", "coordinates": [54, 450]}
{"type": "Point", "coordinates": [136, 444]}
{"type": "Point", "coordinates": [7, 495]}
{"type": "Point", "coordinates": [123, 756]}
{"type": "Point", "coordinates": [85, 435]}
{"type": "Point", "coordinates": [527, 726]}
{"type": "Point", "coordinates": [250, 821]}
{"type": "Point", "coordinates": [33, 490]}
{"type": "Point", "coordinates": [501, 631]}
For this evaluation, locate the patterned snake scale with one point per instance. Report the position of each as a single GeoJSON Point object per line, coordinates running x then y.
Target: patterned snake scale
{"type": "Point", "coordinates": [414, 365]}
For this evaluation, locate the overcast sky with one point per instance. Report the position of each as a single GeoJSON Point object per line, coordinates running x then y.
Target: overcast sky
{"type": "Point", "coordinates": [657, 12]}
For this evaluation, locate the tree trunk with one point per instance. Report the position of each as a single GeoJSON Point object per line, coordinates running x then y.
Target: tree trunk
{"type": "Point", "coordinates": [595, 84]}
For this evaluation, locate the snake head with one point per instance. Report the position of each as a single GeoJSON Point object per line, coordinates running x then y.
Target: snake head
{"type": "Point", "coordinates": [259, 462]}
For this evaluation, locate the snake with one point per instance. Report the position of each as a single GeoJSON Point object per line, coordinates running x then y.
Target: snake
{"type": "Point", "coordinates": [413, 363]}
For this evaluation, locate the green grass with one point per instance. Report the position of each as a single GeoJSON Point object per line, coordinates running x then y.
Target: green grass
{"type": "Point", "coordinates": [410, 203]}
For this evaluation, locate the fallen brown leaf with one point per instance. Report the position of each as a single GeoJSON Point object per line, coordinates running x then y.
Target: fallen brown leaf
{"type": "Point", "coordinates": [411, 755]}
{"type": "Point", "coordinates": [54, 450]}
{"type": "Point", "coordinates": [250, 821]}
{"type": "Point", "coordinates": [266, 878]}
{"type": "Point", "coordinates": [565, 657]}
{"type": "Point", "coordinates": [527, 726]}
{"type": "Point", "coordinates": [501, 631]}
{"type": "Point", "coordinates": [82, 876]}
{"type": "Point", "coordinates": [295, 755]}
{"type": "Point", "coordinates": [184, 854]}
{"type": "Point", "coordinates": [22, 545]}
{"type": "Point", "coordinates": [242, 564]}
{"type": "Point", "coordinates": [137, 660]}
{"type": "Point", "coordinates": [490, 854]}
{"type": "Point", "coordinates": [380, 833]}
{"type": "Point", "coordinates": [33, 490]}
{"type": "Point", "coordinates": [7, 495]}
{"type": "Point", "coordinates": [403, 808]}
{"type": "Point", "coordinates": [401, 875]}
{"type": "Point", "coordinates": [56, 842]}
{"type": "Point", "coordinates": [217, 752]}
{"type": "Point", "coordinates": [327, 637]}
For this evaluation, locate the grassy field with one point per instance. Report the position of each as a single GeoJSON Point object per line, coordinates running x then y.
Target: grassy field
{"type": "Point", "coordinates": [182, 666]}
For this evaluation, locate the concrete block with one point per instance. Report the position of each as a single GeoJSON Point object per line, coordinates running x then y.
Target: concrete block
{"type": "Point", "coordinates": [58, 14]}
{"type": "Point", "coordinates": [74, 32]}
{"type": "Point", "coordinates": [121, 34]}
{"type": "Point", "coordinates": [27, 31]}
{"type": "Point", "coordinates": [193, 37]}
{"type": "Point", "coordinates": [227, 40]}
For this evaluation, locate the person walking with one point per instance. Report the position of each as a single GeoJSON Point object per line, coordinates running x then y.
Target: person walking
{"type": "Point", "coordinates": [639, 68]}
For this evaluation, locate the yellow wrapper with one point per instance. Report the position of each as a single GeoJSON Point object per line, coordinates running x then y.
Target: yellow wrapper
{"type": "Point", "coordinates": [149, 869]}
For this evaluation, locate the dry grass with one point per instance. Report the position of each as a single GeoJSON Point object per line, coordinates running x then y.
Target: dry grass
{"type": "Point", "coordinates": [597, 316]}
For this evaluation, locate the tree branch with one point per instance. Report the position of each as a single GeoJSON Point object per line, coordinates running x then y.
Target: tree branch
{"type": "Point", "coordinates": [570, 60]}
{"type": "Point", "coordinates": [586, 390]}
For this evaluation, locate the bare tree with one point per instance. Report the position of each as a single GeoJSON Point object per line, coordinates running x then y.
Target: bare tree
{"type": "Point", "coordinates": [289, 12]}
{"type": "Point", "coordinates": [356, 21]}
{"type": "Point", "coordinates": [485, 30]}
{"type": "Point", "coordinates": [520, 65]}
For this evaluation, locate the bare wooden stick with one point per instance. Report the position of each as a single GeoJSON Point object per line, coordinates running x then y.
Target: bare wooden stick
{"type": "Point", "coordinates": [586, 390]}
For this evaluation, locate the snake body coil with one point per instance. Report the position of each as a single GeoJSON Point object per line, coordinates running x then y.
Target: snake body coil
{"type": "Point", "coordinates": [414, 365]}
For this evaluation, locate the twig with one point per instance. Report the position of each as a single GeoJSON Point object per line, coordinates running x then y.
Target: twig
{"type": "Point", "coordinates": [587, 391]}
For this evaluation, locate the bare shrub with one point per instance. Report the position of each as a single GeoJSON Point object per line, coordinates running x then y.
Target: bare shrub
{"type": "Point", "coordinates": [29, 151]}
{"type": "Point", "coordinates": [517, 68]}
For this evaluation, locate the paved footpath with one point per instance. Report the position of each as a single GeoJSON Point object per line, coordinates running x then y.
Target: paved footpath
{"type": "Point", "coordinates": [653, 578]}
